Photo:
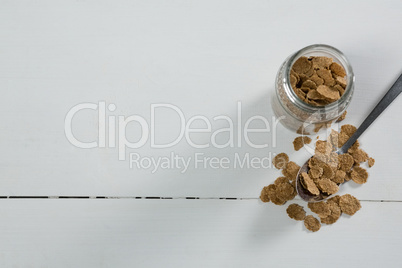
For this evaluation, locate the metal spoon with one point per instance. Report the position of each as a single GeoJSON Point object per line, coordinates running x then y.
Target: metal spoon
{"type": "Point", "coordinates": [392, 93]}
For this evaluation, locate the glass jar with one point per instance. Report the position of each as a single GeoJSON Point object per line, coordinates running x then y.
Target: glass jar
{"type": "Point", "coordinates": [299, 116]}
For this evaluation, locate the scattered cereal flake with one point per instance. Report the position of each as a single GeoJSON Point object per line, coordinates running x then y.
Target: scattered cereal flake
{"type": "Point", "coordinates": [264, 194]}
{"type": "Point", "coordinates": [342, 117]}
{"type": "Point", "coordinates": [359, 175]}
{"type": "Point", "coordinates": [321, 208]}
{"type": "Point", "coordinates": [271, 189]}
{"type": "Point", "coordinates": [272, 194]}
{"type": "Point", "coordinates": [328, 93]}
{"type": "Point", "coordinates": [327, 186]}
{"type": "Point", "coordinates": [309, 184]}
{"type": "Point", "coordinates": [300, 141]}
{"type": "Point", "coordinates": [345, 162]}
{"type": "Point", "coordinates": [296, 212]}
{"type": "Point", "coordinates": [318, 126]}
{"type": "Point", "coordinates": [302, 130]}
{"type": "Point", "coordinates": [302, 65]}
{"type": "Point", "coordinates": [342, 139]}
{"type": "Point", "coordinates": [348, 129]}
{"type": "Point", "coordinates": [277, 201]}
{"type": "Point", "coordinates": [334, 215]}
{"type": "Point", "coordinates": [281, 180]}
{"type": "Point", "coordinates": [348, 176]}
{"type": "Point", "coordinates": [279, 192]}
{"type": "Point", "coordinates": [371, 162]}
{"type": "Point", "coordinates": [312, 223]}
{"type": "Point", "coordinates": [337, 69]}
{"type": "Point", "coordinates": [306, 140]}
{"type": "Point", "coordinates": [354, 147]}
{"type": "Point", "coordinates": [294, 184]}
{"type": "Point", "coordinates": [339, 176]}
{"type": "Point", "coordinates": [360, 156]}
{"type": "Point", "coordinates": [291, 170]}
{"type": "Point", "coordinates": [334, 199]}
{"type": "Point", "coordinates": [349, 204]}
{"type": "Point", "coordinates": [280, 160]}
{"type": "Point", "coordinates": [286, 191]}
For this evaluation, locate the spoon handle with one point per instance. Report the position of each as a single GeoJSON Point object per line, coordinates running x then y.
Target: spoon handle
{"type": "Point", "coordinates": [392, 93]}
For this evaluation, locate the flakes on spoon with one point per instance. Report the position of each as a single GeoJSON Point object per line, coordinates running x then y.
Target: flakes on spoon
{"type": "Point", "coordinates": [327, 186]}
{"type": "Point", "coordinates": [309, 184]}
{"type": "Point", "coordinates": [326, 172]}
{"type": "Point", "coordinates": [315, 172]}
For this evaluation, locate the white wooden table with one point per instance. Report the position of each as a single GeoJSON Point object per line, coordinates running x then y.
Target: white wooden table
{"type": "Point", "coordinates": [64, 206]}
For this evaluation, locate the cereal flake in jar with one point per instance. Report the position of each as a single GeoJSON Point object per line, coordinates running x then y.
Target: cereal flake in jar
{"type": "Point", "coordinates": [313, 88]}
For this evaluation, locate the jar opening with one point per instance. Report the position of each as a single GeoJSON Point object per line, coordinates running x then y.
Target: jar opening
{"type": "Point", "coordinates": [319, 50]}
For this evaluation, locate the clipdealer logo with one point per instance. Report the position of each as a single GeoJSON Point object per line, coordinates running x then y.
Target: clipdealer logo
{"type": "Point", "coordinates": [111, 133]}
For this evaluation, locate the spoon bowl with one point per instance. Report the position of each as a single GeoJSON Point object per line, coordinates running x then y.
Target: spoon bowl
{"type": "Point", "coordinates": [303, 192]}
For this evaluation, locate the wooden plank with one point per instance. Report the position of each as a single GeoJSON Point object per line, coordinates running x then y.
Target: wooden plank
{"type": "Point", "coordinates": [133, 55]}
{"type": "Point", "coordinates": [183, 233]}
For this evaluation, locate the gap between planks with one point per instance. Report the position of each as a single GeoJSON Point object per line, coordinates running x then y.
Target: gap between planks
{"type": "Point", "coordinates": [154, 197]}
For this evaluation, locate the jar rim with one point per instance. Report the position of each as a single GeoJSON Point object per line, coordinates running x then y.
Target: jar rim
{"type": "Point", "coordinates": [337, 55]}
